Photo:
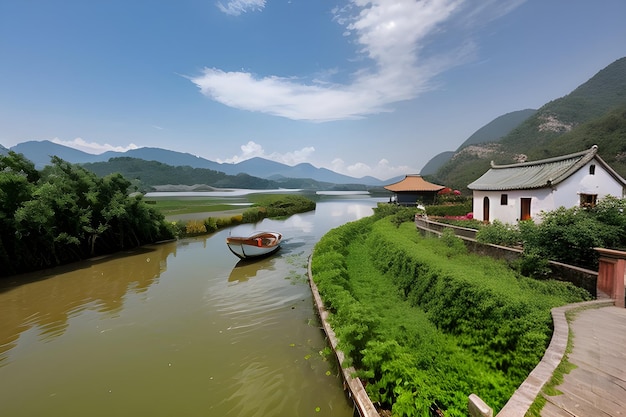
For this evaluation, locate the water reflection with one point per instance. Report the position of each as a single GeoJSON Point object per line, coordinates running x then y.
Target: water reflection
{"type": "Point", "coordinates": [53, 297]}
{"type": "Point", "coordinates": [175, 329]}
{"type": "Point", "coordinates": [246, 269]}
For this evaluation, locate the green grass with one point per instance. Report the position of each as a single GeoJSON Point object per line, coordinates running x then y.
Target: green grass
{"type": "Point", "coordinates": [425, 322]}
{"type": "Point", "coordinates": [193, 205]}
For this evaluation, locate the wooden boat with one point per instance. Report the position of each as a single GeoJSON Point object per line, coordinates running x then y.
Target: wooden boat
{"type": "Point", "coordinates": [255, 245]}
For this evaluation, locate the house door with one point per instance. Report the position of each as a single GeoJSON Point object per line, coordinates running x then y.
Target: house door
{"type": "Point", "coordinates": [525, 211]}
{"type": "Point", "coordinates": [486, 209]}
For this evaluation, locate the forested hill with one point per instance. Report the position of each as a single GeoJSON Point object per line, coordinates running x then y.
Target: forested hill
{"type": "Point", "coordinates": [491, 132]}
{"type": "Point", "coordinates": [145, 175]}
{"type": "Point", "coordinates": [594, 113]}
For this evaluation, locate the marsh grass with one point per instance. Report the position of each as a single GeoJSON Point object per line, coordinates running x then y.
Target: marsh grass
{"type": "Point", "coordinates": [188, 206]}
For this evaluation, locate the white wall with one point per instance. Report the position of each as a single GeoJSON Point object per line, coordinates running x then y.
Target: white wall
{"type": "Point", "coordinates": [541, 199]}
{"type": "Point", "coordinates": [566, 194]}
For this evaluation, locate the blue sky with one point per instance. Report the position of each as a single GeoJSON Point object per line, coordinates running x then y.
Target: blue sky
{"type": "Point", "coordinates": [361, 87]}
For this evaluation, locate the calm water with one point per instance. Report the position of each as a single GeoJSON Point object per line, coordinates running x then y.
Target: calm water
{"type": "Point", "coordinates": [179, 329]}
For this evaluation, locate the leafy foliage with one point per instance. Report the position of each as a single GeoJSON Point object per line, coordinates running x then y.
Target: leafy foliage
{"type": "Point", "coordinates": [424, 322]}
{"type": "Point", "coordinates": [65, 213]}
{"type": "Point", "coordinates": [498, 233]}
{"type": "Point", "coordinates": [280, 205]}
{"type": "Point", "coordinates": [460, 208]}
{"type": "Point", "coordinates": [564, 235]}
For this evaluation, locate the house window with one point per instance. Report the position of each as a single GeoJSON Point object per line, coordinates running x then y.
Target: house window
{"type": "Point", "coordinates": [588, 200]}
{"type": "Point", "coordinates": [504, 199]}
{"type": "Point", "coordinates": [592, 169]}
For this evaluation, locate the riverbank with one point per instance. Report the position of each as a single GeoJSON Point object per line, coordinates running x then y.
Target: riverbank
{"type": "Point", "coordinates": [189, 222]}
{"type": "Point", "coordinates": [424, 330]}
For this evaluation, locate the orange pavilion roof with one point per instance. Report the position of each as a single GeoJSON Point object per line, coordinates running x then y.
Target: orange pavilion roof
{"type": "Point", "coordinates": [413, 182]}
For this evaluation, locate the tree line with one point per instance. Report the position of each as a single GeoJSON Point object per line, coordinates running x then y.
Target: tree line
{"type": "Point", "coordinates": [65, 213]}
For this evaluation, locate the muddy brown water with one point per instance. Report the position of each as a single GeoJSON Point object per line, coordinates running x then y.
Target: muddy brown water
{"type": "Point", "coordinates": [176, 329]}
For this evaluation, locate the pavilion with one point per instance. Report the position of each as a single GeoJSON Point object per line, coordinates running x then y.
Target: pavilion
{"type": "Point", "coordinates": [414, 189]}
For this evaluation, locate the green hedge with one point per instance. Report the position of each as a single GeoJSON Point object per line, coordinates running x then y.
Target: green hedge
{"type": "Point", "coordinates": [450, 209]}
{"type": "Point", "coordinates": [425, 322]}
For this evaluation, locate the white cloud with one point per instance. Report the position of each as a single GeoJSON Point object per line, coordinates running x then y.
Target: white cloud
{"type": "Point", "coordinates": [253, 150]}
{"type": "Point", "coordinates": [237, 7]}
{"type": "Point", "coordinates": [382, 170]}
{"type": "Point", "coordinates": [92, 147]}
{"type": "Point", "coordinates": [391, 34]}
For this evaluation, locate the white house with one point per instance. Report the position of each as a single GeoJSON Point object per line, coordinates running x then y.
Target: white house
{"type": "Point", "coordinates": [510, 193]}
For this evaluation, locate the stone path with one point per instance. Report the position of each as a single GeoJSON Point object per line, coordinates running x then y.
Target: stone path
{"type": "Point", "coordinates": [597, 387]}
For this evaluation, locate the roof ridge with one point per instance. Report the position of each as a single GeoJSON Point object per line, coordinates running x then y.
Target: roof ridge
{"type": "Point", "coordinates": [588, 153]}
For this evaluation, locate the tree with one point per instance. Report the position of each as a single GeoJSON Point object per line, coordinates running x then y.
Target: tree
{"type": "Point", "coordinates": [65, 213]}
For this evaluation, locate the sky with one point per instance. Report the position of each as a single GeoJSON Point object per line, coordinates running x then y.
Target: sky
{"type": "Point", "coordinates": [360, 87]}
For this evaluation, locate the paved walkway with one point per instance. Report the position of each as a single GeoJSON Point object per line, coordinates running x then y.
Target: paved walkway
{"type": "Point", "coordinates": [597, 387]}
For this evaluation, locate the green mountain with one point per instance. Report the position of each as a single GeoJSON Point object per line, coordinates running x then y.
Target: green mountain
{"type": "Point", "coordinates": [591, 114]}
{"type": "Point", "coordinates": [498, 128]}
{"type": "Point", "coordinates": [491, 132]}
{"type": "Point", "coordinates": [436, 162]}
{"type": "Point", "coordinates": [157, 176]}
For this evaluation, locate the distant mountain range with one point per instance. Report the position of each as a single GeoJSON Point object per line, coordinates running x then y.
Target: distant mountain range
{"type": "Point", "coordinates": [594, 113]}
{"type": "Point", "coordinates": [39, 152]}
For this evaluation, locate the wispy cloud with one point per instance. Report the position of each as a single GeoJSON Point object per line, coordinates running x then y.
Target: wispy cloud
{"type": "Point", "coordinates": [392, 36]}
{"type": "Point", "coordinates": [253, 150]}
{"type": "Point", "coordinates": [237, 7]}
{"type": "Point", "coordinates": [382, 170]}
{"type": "Point", "coordinates": [92, 147]}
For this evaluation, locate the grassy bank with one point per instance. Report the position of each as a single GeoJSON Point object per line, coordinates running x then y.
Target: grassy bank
{"type": "Point", "coordinates": [264, 206]}
{"type": "Point", "coordinates": [426, 323]}
{"type": "Point", "coordinates": [171, 207]}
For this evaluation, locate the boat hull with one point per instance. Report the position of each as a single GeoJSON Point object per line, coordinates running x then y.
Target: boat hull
{"type": "Point", "coordinates": [254, 246]}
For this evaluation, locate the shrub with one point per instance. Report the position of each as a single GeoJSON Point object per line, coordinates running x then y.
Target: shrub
{"type": "Point", "coordinates": [424, 322]}
{"type": "Point", "coordinates": [223, 222]}
{"type": "Point", "coordinates": [570, 235]}
{"type": "Point", "coordinates": [211, 224]}
{"type": "Point", "coordinates": [195, 227]}
{"type": "Point", "coordinates": [454, 243]}
{"type": "Point", "coordinates": [254, 214]}
{"type": "Point", "coordinates": [498, 233]}
{"type": "Point", "coordinates": [385, 209]}
{"type": "Point", "coordinates": [442, 210]}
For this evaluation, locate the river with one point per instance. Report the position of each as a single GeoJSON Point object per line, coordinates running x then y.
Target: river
{"type": "Point", "coordinates": [176, 329]}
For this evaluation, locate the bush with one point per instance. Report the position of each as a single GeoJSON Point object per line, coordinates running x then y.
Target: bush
{"type": "Point", "coordinates": [383, 210]}
{"type": "Point", "coordinates": [195, 227]}
{"type": "Point", "coordinates": [425, 322]}
{"type": "Point", "coordinates": [254, 214]}
{"type": "Point", "coordinates": [284, 204]}
{"type": "Point", "coordinates": [570, 236]}
{"type": "Point", "coordinates": [498, 233]}
{"type": "Point", "coordinates": [211, 224]}
{"type": "Point", "coordinates": [442, 210]}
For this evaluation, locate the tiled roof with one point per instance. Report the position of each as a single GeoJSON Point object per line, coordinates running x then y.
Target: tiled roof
{"type": "Point", "coordinates": [413, 182]}
{"type": "Point", "coordinates": [537, 174]}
